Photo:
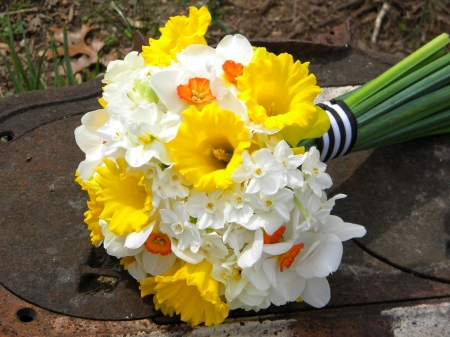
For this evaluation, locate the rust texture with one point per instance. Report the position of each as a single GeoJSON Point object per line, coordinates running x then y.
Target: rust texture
{"type": "Point", "coordinates": [53, 282]}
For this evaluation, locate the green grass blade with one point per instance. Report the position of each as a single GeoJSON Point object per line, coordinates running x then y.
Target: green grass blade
{"type": "Point", "coordinates": [18, 87]}
{"type": "Point", "coordinates": [38, 83]}
{"type": "Point", "coordinates": [68, 65]}
{"type": "Point", "coordinates": [15, 58]}
{"type": "Point", "coordinates": [31, 69]}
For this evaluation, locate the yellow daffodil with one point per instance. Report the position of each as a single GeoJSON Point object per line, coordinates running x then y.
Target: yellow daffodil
{"type": "Point", "coordinates": [178, 33]}
{"type": "Point", "coordinates": [127, 204]}
{"type": "Point", "coordinates": [95, 208]}
{"type": "Point", "coordinates": [187, 290]}
{"type": "Point", "coordinates": [208, 147]}
{"type": "Point", "coordinates": [279, 93]}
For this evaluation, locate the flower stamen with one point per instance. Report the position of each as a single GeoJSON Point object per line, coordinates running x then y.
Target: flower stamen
{"type": "Point", "coordinates": [275, 237]}
{"type": "Point", "coordinates": [197, 91]}
{"type": "Point", "coordinates": [287, 258]}
{"type": "Point", "coordinates": [158, 244]}
{"type": "Point", "coordinates": [222, 155]}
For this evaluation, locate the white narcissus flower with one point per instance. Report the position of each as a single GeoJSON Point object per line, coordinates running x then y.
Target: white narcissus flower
{"type": "Point", "coordinates": [251, 298]}
{"type": "Point", "coordinates": [116, 245]}
{"type": "Point", "coordinates": [314, 172]}
{"type": "Point", "coordinates": [270, 210]}
{"type": "Point", "coordinates": [213, 246]}
{"type": "Point", "coordinates": [203, 62]}
{"type": "Point", "coordinates": [156, 264]}
{"type": "Point", "coordinates": [237, 208]}
{"type": "Point", "coordinates": [175, 223]}
{"type": "Point", "coordinates": [90, 142]}
{"type": "Point", "coordinates": [207, 208]}
{"type": "Point", "coordinates": [260, 172]}
{"type": "Point", "coordinates": [320, 256]}
{"type": "Point", "coordinates": [228, 272]}
{"type": "Point", "coordinates": [317, 292]}
{"type": "Point", "coordinates": [149, 130]}
{"type": "Point", "coordinates": [172, 185]}
{"type": "Point", "coordinates": [236, 236]}
{"type": "Point", "coordinates": [343, 230]}
{"type": "Point", "coordinates": [132, 61]}
{"type": "Point", "coordinates": [284, 155]}
{"type": "Point", "coordinates": [114, 132]}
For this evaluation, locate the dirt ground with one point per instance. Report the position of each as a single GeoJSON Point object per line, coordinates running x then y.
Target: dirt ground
{"type": "Point", "coordinates": [405, 26]}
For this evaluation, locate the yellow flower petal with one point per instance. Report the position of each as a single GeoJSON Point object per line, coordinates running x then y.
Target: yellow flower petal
{"type": "Point", "coordinates": [95, 208]}
{"type": "Point", "coordinates": [280, 92]}
{"type": "Point", "coordinates": [178, 33]}
{"type": "Point", "coordinates": [127, 204]}
{"type": "Point", "coordinates": [187, 290]}
{"type": "Point", "coordinates": [208, 147]}
{"type": "Point", "coordinates": [316, 127]}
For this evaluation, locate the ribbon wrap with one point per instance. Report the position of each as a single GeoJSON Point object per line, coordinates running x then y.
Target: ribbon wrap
{"type": "Point", "coordinates": [341, 137]}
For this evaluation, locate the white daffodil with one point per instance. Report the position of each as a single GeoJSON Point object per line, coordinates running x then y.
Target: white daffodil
{"type": "Point", "coordinates": [316, 292]}
{"type": "Point", "coordinates": [251, 298]}
{"type": "Point", "coordinates": [286, 285]}
{"type": "Point", "coordinates": [205, 74]}
{"type": "Point", "coordinates": [207, 208]}
{"type": "Point", "coordinates": [175, 223]}
{"type": "Point", "coordinates": [136, 268]}
{"type": "Point", "coordinates": [90, 142]}
{"type": "Point", "coordinates": [156, 264]}
{"type": "Point", "coordinates": [236, 236]}
{"type": "Point", "coordinates": [132, 61]}
{"type": "Point", "coordinates": [115, 245]}
{"type": "Point", "coordinates": [149, 130]}
{"type": "Point", "coordinates": [284, 155]}
{"type": "Point", "coordinates": [213, 246]}
{"type": "Point", "coordinates": [260, 172]}
{"type": "Point", "coordinates": [114, 132]}
{"type": "Point", "coordinates": [320, 256]}
{"type": "Point", "coordinates": [270, 210]}
{"type": "Point", "coordinates": [172, 185]}
{"type": "Point", "coordinates": [343, 230]}
{"type": "Point", "coordinates": [228, 272]}
{"type": "Point", "coordinates": [252, 252]}
{"type": "Point", "coordinates": [314, 210]}
{"type": "Point", "coordinates": [314, 172]}
{"type": "Point", "coordinates": [237, 208]}
{"type": "Point", "coordinates": [192, 255]}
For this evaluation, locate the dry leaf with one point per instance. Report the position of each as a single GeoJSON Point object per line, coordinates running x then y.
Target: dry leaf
{"type": "Point", "coordinates": [87, 54]}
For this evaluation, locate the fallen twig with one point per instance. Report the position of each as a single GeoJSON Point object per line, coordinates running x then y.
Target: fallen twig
{"type": "Point", "coordinates": [378, 20]}
{"type": "Point", "coordinates": [20, 11]}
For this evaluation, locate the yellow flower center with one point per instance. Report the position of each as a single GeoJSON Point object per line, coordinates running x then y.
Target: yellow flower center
{"type": "Point", "coordinates": [146, 138]}
{"type": "Point", "coordinates": [222, 155]}
{"type": "Point", "coordinates": [268, 203]}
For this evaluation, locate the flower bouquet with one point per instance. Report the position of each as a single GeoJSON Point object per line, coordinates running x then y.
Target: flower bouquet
{"type": "Point", "coordinates": [205, 176]}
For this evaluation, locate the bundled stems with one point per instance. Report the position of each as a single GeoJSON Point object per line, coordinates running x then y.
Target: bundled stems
{"type": "Point", "coordinates": [410, 100]}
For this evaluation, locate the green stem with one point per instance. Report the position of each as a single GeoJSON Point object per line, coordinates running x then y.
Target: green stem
{"type": "Point", "coordinates": [396, 71]}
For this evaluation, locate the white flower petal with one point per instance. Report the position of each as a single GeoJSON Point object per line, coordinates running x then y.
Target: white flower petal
{"type": "Point", "coordinates": [317, 292]}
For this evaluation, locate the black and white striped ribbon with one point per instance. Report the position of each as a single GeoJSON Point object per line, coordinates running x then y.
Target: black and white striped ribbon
{"type": "Point", "coordinates": [341, 136]}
